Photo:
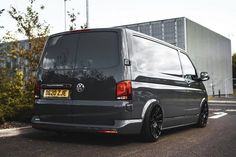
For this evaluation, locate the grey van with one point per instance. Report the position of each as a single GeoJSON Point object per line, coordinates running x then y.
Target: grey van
{"type": "Point", "coordinates": [117, 81]}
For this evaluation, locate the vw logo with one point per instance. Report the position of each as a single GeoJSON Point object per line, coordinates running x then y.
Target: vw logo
{"type": "Point", "coordinates": [80, 87]}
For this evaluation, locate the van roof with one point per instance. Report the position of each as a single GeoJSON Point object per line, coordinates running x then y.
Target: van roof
{"type": "Point", "coordinates": [121, 29]}
{"type": "Point", "coordinates": [155, 39]}
{"type": "Point", "coordinates": [87, 30]}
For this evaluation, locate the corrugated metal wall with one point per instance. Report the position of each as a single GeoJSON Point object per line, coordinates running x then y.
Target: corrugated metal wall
{"type": "Point", "coordinates": [209, 51]}
{"type": "Point", "coordinates": [171, 31]}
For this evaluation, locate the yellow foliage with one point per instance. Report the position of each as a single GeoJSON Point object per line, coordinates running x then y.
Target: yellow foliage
{"type": "Point", "coordinates": [16, 93]}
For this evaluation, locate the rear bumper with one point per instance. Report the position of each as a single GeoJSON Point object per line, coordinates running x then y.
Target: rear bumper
{"type": "Point", "coordinates": [132, 126]}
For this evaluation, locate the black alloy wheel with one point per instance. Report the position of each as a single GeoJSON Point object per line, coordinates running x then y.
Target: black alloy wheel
{"type": "Point", "coordinates": [203, 117]}
{"type": "Point", "coordinates": [156, 122]}
{"type": "Point", "coordinates": [152, 125]}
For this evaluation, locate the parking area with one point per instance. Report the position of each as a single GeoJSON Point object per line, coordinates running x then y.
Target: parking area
{"type": "Point", "coordinates": [217, 139]}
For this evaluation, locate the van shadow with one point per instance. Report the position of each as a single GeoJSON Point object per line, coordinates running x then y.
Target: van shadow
{"type": "Point", "coordinates": [98, 139]}
{"type": "Point", "coordinates": [168, 132]}
{"type": "Point", "coordinates": [81, 138]}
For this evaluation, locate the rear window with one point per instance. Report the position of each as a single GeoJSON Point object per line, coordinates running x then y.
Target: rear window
{"type": "Point", "coordinates": [80, 50]}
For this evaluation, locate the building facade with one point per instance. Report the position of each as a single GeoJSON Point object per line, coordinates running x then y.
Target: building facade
{"type": "Point", "coordinates": [208, 50]}
{"type": "Point", "coordinates": [11, 62]}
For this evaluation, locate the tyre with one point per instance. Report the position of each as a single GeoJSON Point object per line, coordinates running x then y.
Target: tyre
{"type": "Point", "coordinates": [203, 116]}
{"type": "Point", "coordinates": [152, 124]}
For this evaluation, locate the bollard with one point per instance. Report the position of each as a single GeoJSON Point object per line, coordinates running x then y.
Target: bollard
{"type": "Point", "coordinates": [219, 93]}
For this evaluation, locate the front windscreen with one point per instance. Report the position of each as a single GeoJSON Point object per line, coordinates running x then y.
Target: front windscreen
{"type": "Point", "coordinates": [80, 50]}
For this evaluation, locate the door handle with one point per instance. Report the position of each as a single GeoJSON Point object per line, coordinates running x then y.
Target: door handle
{"type": "Point", "coordinates": [188, 80]}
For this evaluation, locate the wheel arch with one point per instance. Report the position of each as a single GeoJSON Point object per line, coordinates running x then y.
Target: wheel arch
{"type": "Point", "coordinates": [204, 100]}
{"type": "Point", "coordinates": [150, 103]}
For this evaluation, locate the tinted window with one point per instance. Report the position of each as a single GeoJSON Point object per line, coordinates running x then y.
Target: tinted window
{"type": "Point", "coordinates": [154, 57]}
{"type": "Point", "coordinates": [187, 65]}
{"type": "Point", "coordinates": [60, 52]}
{"type": "Point", "coordinates": [97, 50]}
{"type": "Point", "coordinates": [89, 49]}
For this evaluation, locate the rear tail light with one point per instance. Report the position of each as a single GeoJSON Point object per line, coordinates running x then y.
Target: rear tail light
{"type": "Point", "coordinates": [108, 131]}
{"type": "Point", "coordinates": [37, 90]}
{"type": "Point", "coordinates": [81, 30]}
{"type": "Point", "coordinates": [124, 90]}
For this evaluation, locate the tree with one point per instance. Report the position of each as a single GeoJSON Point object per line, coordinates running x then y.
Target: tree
{"type": "Point", "coordinates": [1, 53]}
{"type": "Point", "coordinates": [12, 96]}
{"type": "Point", "coordinates": [234, 68]}
{"type": "Point", "coordinates": [1, 11]}
{"type": "Point", "coordinates": [35, 31]}
{"type": "Point", "coordinates": [234, 65]}
{"type": "Point", "coordinates": [73, 16]}
{"type": "Point", "coordinates": [16, 91]}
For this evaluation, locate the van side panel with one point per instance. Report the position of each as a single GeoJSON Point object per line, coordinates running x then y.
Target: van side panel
{"type": "Point", "coordinates": [151, 81]}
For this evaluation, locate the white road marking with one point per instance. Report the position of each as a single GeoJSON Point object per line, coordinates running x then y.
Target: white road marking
{"type": "Point", "coordinates": [231, 110]}
{"type": "Point", "coordinates": [218, 115]}
{"type": "Point", "coordinates": [225, 105]}
{"type": "Point", "coordinates": [222, 102]}
{"type": "Point", "coordinates": [214, 109]}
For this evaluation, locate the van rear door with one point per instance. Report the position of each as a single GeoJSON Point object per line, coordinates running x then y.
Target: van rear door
{"type": "Point", "coordinates": [55, 76]}
{"type": "Point", "coordinates": [97, 70]}
{"type": "Point", "coordinates": [97, 66]}
{"type": "Point", "coordinates": [76, 67]}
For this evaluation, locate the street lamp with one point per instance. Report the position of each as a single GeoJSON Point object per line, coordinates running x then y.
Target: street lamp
{"type": "Point", "coordinates": [65, 12]}
{"type": "Point", "coordinates": [87, 13]}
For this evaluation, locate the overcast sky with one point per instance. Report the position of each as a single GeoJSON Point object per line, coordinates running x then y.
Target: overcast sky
{"type": "Point", "coordinates": [217, 15]}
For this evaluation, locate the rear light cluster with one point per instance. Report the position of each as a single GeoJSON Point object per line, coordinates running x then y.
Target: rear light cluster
{"type": "Point", "coordinates": [124, 90]}
{"type": "Point", "coordinates": [81, 30]}
{"type": "Point", "coordinates": [108, 131]}
{"type": "Point", "coordinates": [37, 89]}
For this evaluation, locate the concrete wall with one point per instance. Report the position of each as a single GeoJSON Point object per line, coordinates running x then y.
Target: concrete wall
{"type": "Point", "coordinates": [210, 52]}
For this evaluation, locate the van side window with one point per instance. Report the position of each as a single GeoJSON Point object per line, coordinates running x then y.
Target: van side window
{"type": "Point", "coordinates": [187, 65]}
{"type": "Point", "coordinates": [150, 56]}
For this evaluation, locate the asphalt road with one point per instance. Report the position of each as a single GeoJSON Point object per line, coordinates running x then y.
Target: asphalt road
{"type": "Point", "coordinates": [218, 139]}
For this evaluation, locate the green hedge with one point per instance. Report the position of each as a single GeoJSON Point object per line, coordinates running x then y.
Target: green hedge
{"type": "Point", "coordinates": [16, 96]}
{"type": "Point", "coordinates": [2, 119]}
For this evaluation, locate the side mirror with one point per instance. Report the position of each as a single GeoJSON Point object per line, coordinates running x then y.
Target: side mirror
{"type": "Point", "coordinates": [204, 76]}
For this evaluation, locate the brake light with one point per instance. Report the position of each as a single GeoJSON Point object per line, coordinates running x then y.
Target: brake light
{"type": "Point", "coordinates": [37, 90]}
{"type": "Point", "coordinates": [81, 30]}
{"type": "Point", "coordinates": [124, 90]}
{"type": "Point", "coordinates": [108, 131]}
